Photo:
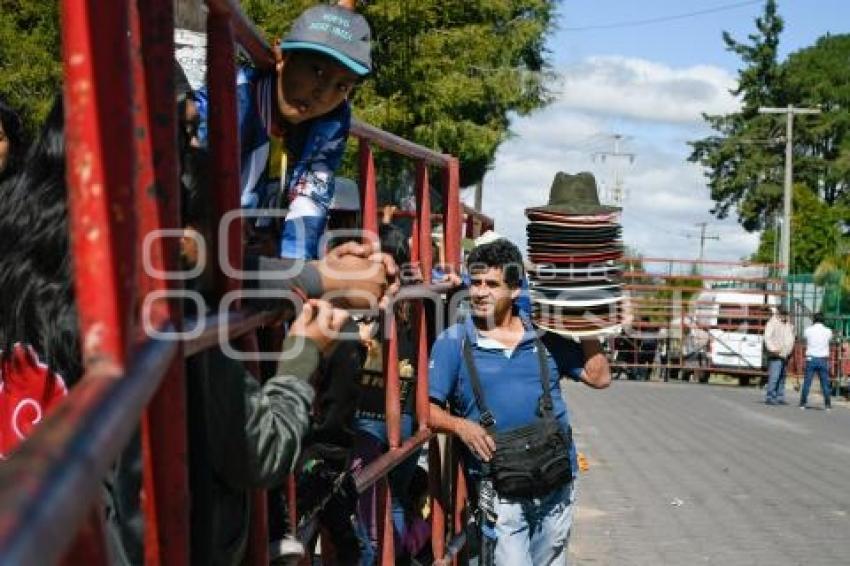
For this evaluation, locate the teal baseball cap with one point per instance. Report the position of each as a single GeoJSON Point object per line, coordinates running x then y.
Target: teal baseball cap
{"type": "Point", "coordinates": [334, 31]}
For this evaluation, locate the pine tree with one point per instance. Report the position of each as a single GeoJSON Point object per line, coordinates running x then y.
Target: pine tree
{"type": "Point", "coordinates": [743, 161]}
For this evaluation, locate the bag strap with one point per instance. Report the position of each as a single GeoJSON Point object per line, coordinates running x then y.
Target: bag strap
{"type": "Point", "coordinates": [545, 406]}
{"type": "Point", "coordinates": [487, 420]}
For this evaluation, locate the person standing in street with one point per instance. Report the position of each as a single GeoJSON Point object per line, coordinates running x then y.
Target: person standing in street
{"type": "Point", "coordinates": [817, 337]}
{"type": "Point", "coordinates": [779, 343]}
{"type": "Point", "coordinates": [495, 384]}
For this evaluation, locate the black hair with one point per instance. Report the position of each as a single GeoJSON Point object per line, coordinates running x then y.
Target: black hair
{"type": "Point", "coordinates": [501, 253]}
{"type": "Point", "coordinates": [14, 131]}
{"type": "Point", "coordinates": [394, 243]}
{"type": "Point", "coordinates": [818, 317]}
{"type": "Point", "coordinates": [195, 199]}
{"type": "Point", "coordinates": [36, 269]}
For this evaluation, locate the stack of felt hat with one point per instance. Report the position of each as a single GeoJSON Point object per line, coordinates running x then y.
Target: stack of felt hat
{"type": "Point", "coordinates": [575, 248]}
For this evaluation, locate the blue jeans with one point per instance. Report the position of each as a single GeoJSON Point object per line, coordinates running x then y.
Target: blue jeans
{"type": "Point", "coordinates": [821, 367]}
{"type": "Point", "coordinates": [300, 237]}
{"type": "Point", "coordinates": [534, 531]}
{"type": "Point", "coordinates": [775, 380]}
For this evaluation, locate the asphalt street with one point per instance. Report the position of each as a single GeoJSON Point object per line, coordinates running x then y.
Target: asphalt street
{"type": "Point", "coordinates": [684, 474]}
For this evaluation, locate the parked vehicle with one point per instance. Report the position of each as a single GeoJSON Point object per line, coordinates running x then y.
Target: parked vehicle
{"type": "Point", "coordinates": [735, 323]}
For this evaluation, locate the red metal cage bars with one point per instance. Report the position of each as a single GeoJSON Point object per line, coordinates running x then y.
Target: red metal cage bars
{"type": "Point", "coordinates": [224, 24]}
{"type": "Point", "coordinates": [164, 442]}
{"type": "Point", "coordinates": [70, 451]}
{"type": "Point", "coordinates": [421, 254]}
{"type": "Point", "coordinates": [669, 260]}
{"type": "Point", "coordinates": [102, 218]}
{"type": "Point", "coordinates": [106, 194]}
{"type": "Point", "coordinates": [98, 129]}
{"type": "Point", "coordinates": [245, 34]}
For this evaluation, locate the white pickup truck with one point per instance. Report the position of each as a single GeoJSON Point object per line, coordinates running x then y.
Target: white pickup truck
{"type": "Point", "coordinates": [735, 323]}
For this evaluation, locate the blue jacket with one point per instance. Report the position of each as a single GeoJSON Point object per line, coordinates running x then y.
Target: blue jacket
{"type": "Point", "coordinates": [317, 147]}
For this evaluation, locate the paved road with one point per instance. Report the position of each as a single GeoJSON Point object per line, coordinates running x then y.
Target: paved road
{"type": "Point", "coordinates": [689, 474]}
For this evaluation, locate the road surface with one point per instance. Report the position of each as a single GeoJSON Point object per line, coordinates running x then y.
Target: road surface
{"type": "Point", "coordinates": [689, 474]}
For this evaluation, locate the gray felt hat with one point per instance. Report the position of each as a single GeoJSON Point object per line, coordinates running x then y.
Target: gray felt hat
{"type": "Point", "coordinates": [336, 32]}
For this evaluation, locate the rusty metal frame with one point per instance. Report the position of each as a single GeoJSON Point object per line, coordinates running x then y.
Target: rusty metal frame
{"type": "Point", "coordinates": [639, 283]}
{"type": "Point", "coordinates": [122, 177]}
{"type": "Point", "coordinates": [49, 481]}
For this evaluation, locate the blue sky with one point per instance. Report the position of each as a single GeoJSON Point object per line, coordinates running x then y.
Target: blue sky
{"type": "Point", "coordinates": [687, 41]}
{"type": "Point", "coordinates": [649, 83]}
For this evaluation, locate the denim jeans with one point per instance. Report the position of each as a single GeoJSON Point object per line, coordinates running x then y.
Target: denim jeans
{"type": "Point", "coordinates": [821, 366]}
{"type": "Point", "coordinates": [775, 380]}
{"type": "Point", "coordinates": [301, 236]}
{"type": "Point", "coordinates": [534, 531]}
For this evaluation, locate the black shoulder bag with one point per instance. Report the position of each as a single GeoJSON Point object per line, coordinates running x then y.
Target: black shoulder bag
{"type": "Point", "coordinates": [531, 460]}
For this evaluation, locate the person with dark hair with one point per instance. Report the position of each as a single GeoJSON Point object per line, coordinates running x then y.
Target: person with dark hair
{"type": "Point", "coordinates": [12, 141]}
{"type": "Point", "coordinates": [349, 427]}
{"type": "Point", "coordinates": [372, 438]}
{"type": "Point", "coordinates": [779, 343]}
{"type": "Point", "coordinates": [495, 385]}
{"type": "Point", "coordinates": [39, 344]}
{"type": "Point", "coordinates": [818, 338]}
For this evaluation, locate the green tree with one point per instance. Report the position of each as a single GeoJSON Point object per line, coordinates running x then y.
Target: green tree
{"type": "Point", "coordinates": [744, 169]}
{"type": "Point", "coordinates": [833, 274]}
{"type": "Point", "coordinates": [30, 64]}
{"type": "Point", "coordinates": [815, 231]}
{"type": "Point", "coordinates": [449, 73]}
{"type": "Point", "coordinates": [768, 242]}
{"type": "Point", "coordinates": [820, 76]}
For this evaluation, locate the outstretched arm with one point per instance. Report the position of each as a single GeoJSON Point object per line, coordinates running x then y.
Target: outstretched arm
{"type": "Point", "coordinates": [597, 370]}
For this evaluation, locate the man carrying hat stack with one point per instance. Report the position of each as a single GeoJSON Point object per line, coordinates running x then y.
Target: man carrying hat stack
{"type": "Point", "coordinates": [495, 385]}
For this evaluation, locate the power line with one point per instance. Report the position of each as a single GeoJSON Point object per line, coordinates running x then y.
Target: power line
{"type": "Point", "coordinates": [702, 238]}
{"type": "Point", "coordinates": [649, 21]}
{"type": "Point", "coordinates": [616, 194]}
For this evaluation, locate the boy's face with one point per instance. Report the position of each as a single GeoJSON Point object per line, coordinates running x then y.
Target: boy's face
{"type": "Point", "coordinates": [310, 84]}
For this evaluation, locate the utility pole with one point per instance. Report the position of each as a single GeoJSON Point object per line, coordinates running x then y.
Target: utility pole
{"type": "Point", "coordinates": [789, 112]}
{"type": "Point", "coordinates": [616, 195]}
{"type": "Point", "coordinates": [702, 238]}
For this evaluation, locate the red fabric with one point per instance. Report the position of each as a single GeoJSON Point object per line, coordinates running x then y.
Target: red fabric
{"type": "Point", "coordinates": [28, 391]}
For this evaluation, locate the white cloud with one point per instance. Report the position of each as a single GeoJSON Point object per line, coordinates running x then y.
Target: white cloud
{"type": "Point", "coordinates": [646, 90]}
{"type": "Point", "coordinates": [659, 107]}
